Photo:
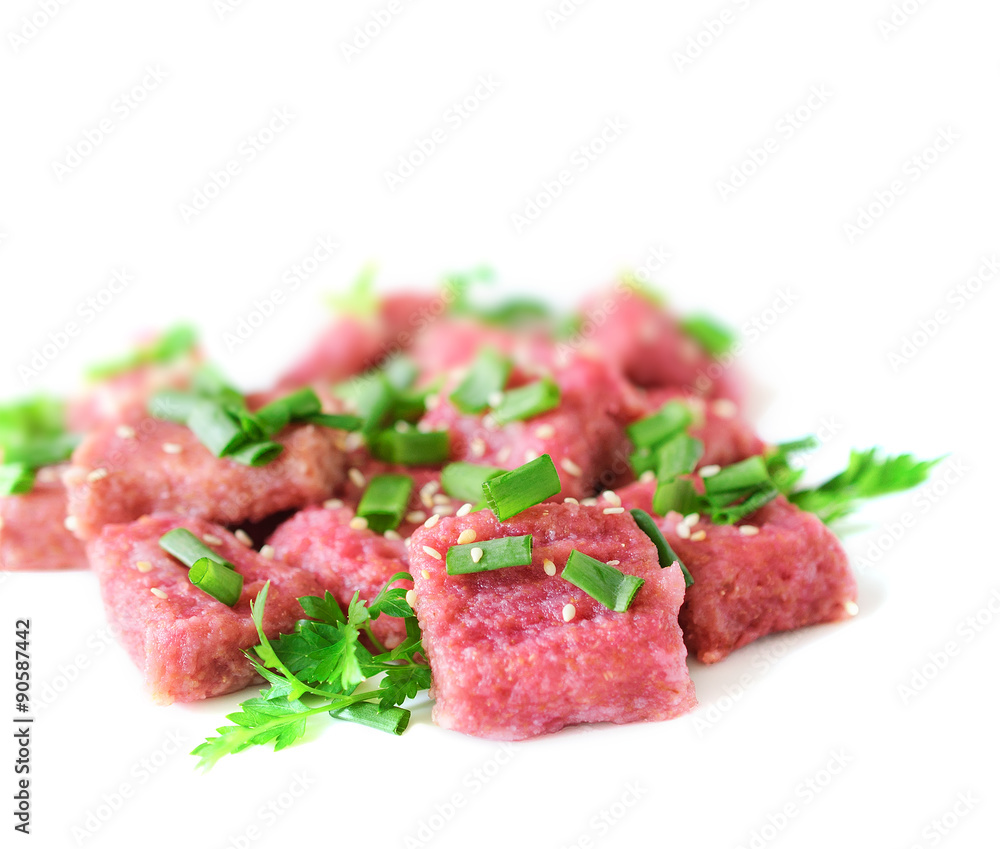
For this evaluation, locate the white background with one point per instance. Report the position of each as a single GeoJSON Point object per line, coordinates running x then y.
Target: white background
{"type": "Point", "coordinates": [107, 767]}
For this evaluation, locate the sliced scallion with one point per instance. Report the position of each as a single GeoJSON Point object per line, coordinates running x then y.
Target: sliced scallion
{"type": "Point", "coordinates": [412, 447]}
{"type": "Point", "coordinates": [488, 375]}
{"type": "Point", "coordinates": [672, 418]}
{"type": "Point", "coordinates": [510, 493]}
{"type": "Point", "coordinates": [527, 401]}
{"type": "Point", "coordinates": [678, 456]}
{"type": "Point", "coordinates": [712, 335]}
{"type": "Point", "coordinates": [384, 501]}
{"type": "Point", "coordinates": [16, 478]}
{"type": "Point", "coordinates": [667, 556]}
{"type": "Point", "coordinates": [603, 583]}
{"type": "Point", "coordinates": [738, 477]}
{"type": "Point", "coordinates": [187, 548]}
{"type": "Point", "coordinates": [219, 581]}
{"type": "Point", "coordinates": [464, 481]}
{"type": "Point", "coordinates": [257, 453]}
{"type": "Point", "coordinates": [678, 495]}
{"type": "Point", "coordinates": [488, 554]}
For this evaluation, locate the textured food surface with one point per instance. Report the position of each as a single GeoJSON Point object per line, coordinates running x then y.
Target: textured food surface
{"type": "Point", "coordinates": [789, 571]}
{"type": "Point", "coordinates": [344, 560]}
{"type": "Point", "coordinates": [506, 665]}
{"type": "Point", "coordinates": [33, 531]}
{"type": "Point", "coordinates": [188, 645]}
{"type": "Point", "coordinates": [162, 466]}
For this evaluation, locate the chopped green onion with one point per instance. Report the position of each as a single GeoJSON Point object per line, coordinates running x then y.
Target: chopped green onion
{"type": "Point", "coordinates": [488, 554]}
{"type": "Point", "coordinates": [672, 418]}
{"type": "Point", "coordinates": [678, 495]}
{"type": "Point", "coordinates": [360, 300]}
{"type": "Point", "coordinates": [401, 372]}
{"type": "Point", "coordinates": [41, 451]}
{"type": "Point", "coordinates": [528, 401]}
{"type": "Point", "coordinates": [393, 719]}
{"type": "Point", "coordinates": [216, 579]}
{"type": "Point", "coordinates": [678, 456]}
{"type": "Point", "coordinates": [667, 556]}
{"type": "Point", "coordinates": [215, 427]}
{"type": "Point", "coordinates": [708, 332]}
{"type": "Point", "coordinates": [510, 493]}
{"type": "Point", "coordinates": [30, 419]}
{"type": "Point", "coordinates": [605, 584]}
{"type": "Point", "coordinates": [738, 477]}
{"type": "Point", "coordinates": [187, 548]}
{"type": "Point", "coordinates": [172, 405]}
{"type": "Point", "coordinates": [384, 501]}
{"type": "Point", "coordinates": [751, 504]}
{"type": "Point", "coordinates": [16, 479]}
{"type": "Point", "coordinates": [337, 421]}
{"type": "Point", "coordinates": [294, 407]}
{"type": "Point", "coordinates": [413, 447]}
{"type": "Point", "coordinates": [171, 345]}
{"type": "Point", "coordinates": [464, 481]}
{"type": "Point", "coordinates": [257, 453]}
{"type": "Point", "coordinates": [487, 376]}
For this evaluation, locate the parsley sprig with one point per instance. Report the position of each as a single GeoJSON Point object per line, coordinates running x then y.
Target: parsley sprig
{"type": "Point", "coordinates": [319, 668]}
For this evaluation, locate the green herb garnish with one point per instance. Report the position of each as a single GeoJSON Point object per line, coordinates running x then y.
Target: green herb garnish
{"type": "Point", "coordinates": [464, 481]}
{"type": "Point", "coordinates": [486, 377]}
{"type": "Point", "coordinates": [207, 570]}
{"type": "Point", "coordinates": [384, 501]}
{"type": "Point", "coordinates": [488, 554]}
{"type": "Point", "coordinates": [603, 583]}
{"type": "Point", "coordinates": [527, 401]}
{"type": "Point", "coordinates": [171, 345]}
{"type": "Point", "coordinates": [710, 333]}
{"type": "Point", "coordinates": [667, 556]}
{"type": "Point", "coordinates": [511, 492]}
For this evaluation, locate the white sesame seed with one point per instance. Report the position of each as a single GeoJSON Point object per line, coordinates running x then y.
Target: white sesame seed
{"type": "Point", "coordinates": [708, 471]}
{"type": "Point", "coordinates": [70, 523]}
{"type": "Point", "coordinates": [357, 478]}
{"type": "Point", "coordinates": [612, 498]}
{"type": "Point", "coordinates": [749, 530]}
{"type": "Point", "coordinates": [503, 455]}
{"type": "Point", "coordinates": [358, 523]}
{"type": "Point", "coordinates": [353, 441]}
{"type": "Point", "coordinates": [393, 535]}
{"type": "Point", "coordinates": [46, 474]}
{"type": "Point", "coordinates": [211, 539]}
{"type": "Point", "coordinates": [467, 536]}
{"type": "Point", "coordinates": [441, 498]}
{"type": "Point", "coordinates": [267, 552]}
{"type": "Point", "coordinates": [432, 521]}
{"type": "Point", "coordinates": [549, 567]}
{"type": "Point", "coordinates": [464, 510]}
{"type": "Point", "coordinates": [570, 500]}
{"type": "Point", "coordinates": [691, 519]}
{"type": "Point", "coordinates": [613, 562]}
{"type": "Point", "coordinates": [425, 427]}
{"type": "Point", "coordinates": [530, 455]}
{"type": "Point", "coordinates": [416, 516]}
{"type": "Point", "coordinates": [851, 608]}
{"type": "Point", "coordinates": [683, 531]}
{"type": "Point", "coordinates": [144, 565]}
{"type": "Point", "coordinates": [411, 598]}
{"type": "Point", "coordinates": [424, 574]}
{"type": "Point", "coordinates": [724, 408]}
{"type": "Point", "coordinates": [545, 431]}
{"type": "Point", "coordinates": [476, 554]}
{"type": "Point", "coordinates": [431, 401]}
{"type": "Point", "coordinates": [698, 536]}
{"type": "Point", "coordinates": [494, 399]}
{"type": "Point", "coordinates": [333, 504]}
{"type": "Point", "coordinates": [610, 511]}
{"type": "Point", "coordinates": [490, 422]}
{"type": "Point", "coordinates": [172, 448]}
{"type": "Point", "coordinates": [570, 467]}
{"type": "Point", "coordinates": [242, 536]}
{"type": "Point", "coordinates": [444, 510]}
{"type": "Point", "coordinates": [477, 448]}
{"type": "Point", "coordinates": [568, 612]}
{"type": "Point", "coordinates": [123, 431]}
{"type": "Point", "coordinates": [647, 476]}
{"type": "Point", "coordinates": [157, 592]}
{"type": "Point", "coordinates": [432, 552]}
